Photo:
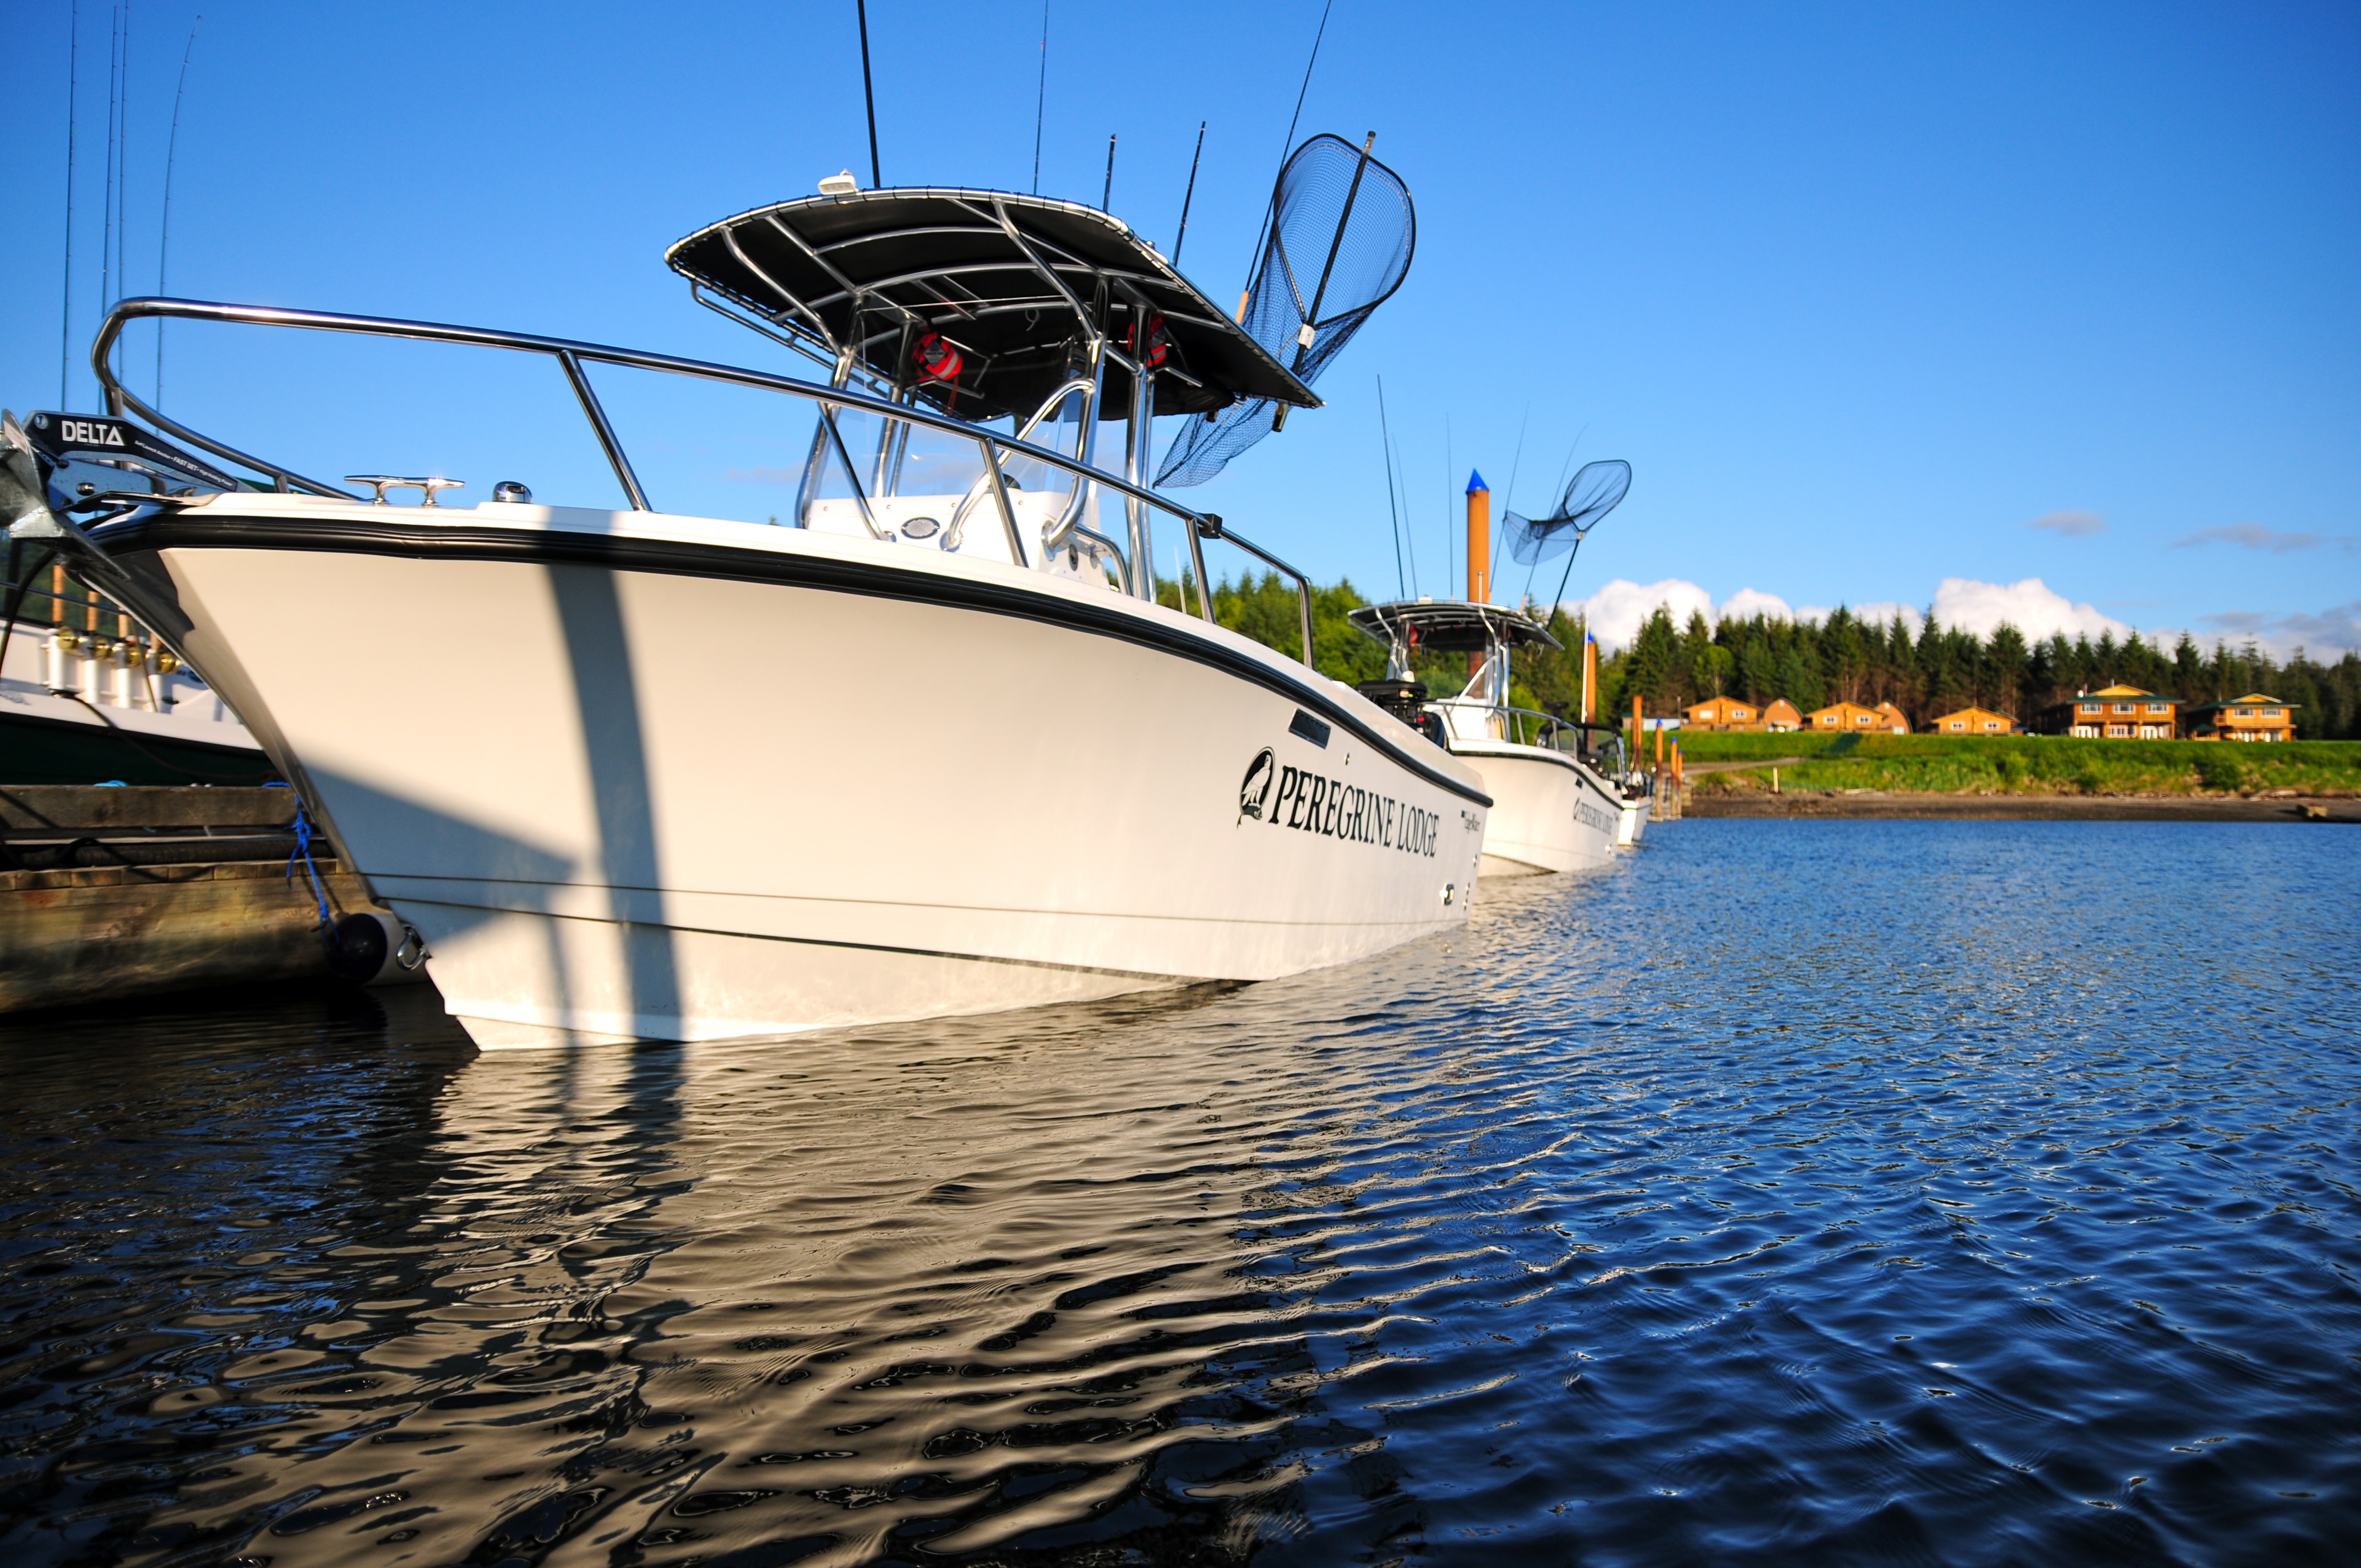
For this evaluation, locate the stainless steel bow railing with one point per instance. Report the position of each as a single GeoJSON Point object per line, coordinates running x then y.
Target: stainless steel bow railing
{"type": "Point", "coordinates": [572, 356]}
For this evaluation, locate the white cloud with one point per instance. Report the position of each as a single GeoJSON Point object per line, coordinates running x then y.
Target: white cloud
{"type": "Point", "coordinates": [1615, 611]}
{"type": "Point", "coordinates": [1747, 603]}
{"type": "Point", "coordinates": [1882, 613]}
{"type": "Point", "coordinates": [2328, 635]}
{"type": "Point", "coordinates": [2073, 524]}
{"type": "Point", "coordinates": [2030, 606]}
{"type": "Point", "coordinates": [1877, 613]}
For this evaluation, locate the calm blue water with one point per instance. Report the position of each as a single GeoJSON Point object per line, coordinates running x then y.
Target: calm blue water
{"type": "Point", "coordinates": [1796, 1192]}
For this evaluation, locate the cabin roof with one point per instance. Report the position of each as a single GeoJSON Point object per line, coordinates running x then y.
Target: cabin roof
{"type": "Point", "coordinates": [1450, 626]}
{"type": "Point", "coordinates": [2252, 699]}
{"type": "Point", "coordinates": [1004, 277]}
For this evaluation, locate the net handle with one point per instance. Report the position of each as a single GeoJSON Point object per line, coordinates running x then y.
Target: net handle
{"type": "Point", "coordinates": [1311, 318]}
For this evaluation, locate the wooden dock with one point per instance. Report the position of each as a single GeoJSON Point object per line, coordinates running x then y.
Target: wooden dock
{"type": "Point", "coordinates": [108, 892]}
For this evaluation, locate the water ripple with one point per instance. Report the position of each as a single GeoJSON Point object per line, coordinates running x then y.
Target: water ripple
{"type": "Point", "coordinates": [1795, 1192]}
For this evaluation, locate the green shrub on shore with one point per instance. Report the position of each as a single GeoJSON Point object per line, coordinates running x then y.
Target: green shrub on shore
{"type": "Point", "coordinates": [2025, 764]}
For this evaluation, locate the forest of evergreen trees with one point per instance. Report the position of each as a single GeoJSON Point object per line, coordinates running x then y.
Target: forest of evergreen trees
{"type": "Point", "coordinates": [1812, 664]}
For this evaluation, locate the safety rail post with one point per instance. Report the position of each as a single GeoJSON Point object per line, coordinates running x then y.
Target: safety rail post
{"type": "Point", "coordinates": [607, 443]}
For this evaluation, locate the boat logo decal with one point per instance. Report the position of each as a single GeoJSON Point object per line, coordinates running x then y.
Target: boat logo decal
{"type": "Point", "coordinates": [1256, 790]}
{"type": "Point", "coordinates": [90, 433]}
{"type": "Point", "coordinates": [1314, 803]}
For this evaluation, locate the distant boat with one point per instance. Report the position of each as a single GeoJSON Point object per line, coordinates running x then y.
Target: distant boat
{"type": "Point", "coordinates": [1553, 809]}
{"type": "Point", "coordinates": [1006, 774]}
{"type": "Point", "coordinates": [65, 719]}
{"type": "Point", "coordinates": [87, 693]}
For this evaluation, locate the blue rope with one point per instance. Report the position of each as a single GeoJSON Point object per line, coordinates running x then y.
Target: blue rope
{"type": "Point", "coordinates": [303, 852]}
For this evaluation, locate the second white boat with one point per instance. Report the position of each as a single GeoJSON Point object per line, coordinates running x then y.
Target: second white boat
{"type": "Point", "coordinates": [1553, 808]}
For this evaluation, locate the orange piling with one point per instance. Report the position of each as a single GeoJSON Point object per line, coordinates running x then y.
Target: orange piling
{"type": "Point", "coordinates": [1479, 550]}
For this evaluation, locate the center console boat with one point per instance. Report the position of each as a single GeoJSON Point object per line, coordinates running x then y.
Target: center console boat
{"type": "Point", "coordinates": [1006, 774]}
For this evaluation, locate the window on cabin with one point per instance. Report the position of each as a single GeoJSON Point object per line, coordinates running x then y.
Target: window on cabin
{"type": "Point", "coordinates": [2274, 713]}
{"type": "Point", "coordinates": [2127, 708]}
{"type": "Point", "coordinates": [2160, 708]}
{"type": "Point", "coordinates": [2093, 707]}
{"type": "Point", "coordinates": [1959, 724]}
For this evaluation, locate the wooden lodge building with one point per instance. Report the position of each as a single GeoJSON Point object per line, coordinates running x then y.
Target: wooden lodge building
{"type": "Point", "coordinates": [1721, 713]}
{"type": "Point", "coordinates": [1730, 713]}
{"type": "Point", "coordinates": [1975, 721]}
{"type": "Point", "coordinates": [2113, 713]}
{"type": "Point", "coordinates": [1854, 720]}
{"type": "Point", "coordinates": [2253, 717]}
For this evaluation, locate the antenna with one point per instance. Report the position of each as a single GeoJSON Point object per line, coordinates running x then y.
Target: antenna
{"type": "Point", "coordinates": [868, 94]}
{"type": "Point", "coordinates": [1108, 194]}
{"type": "Point", "coordinates": [1040, 97]}
{"type": "Point", "coordinates": [1385, 433]}
{"type": "Point", "coordinates": [1508, 497]}
{"type": "Point", "coordinates": [65, 320]}
{"type": "Point", "coordinates": [1190, 195]}
{"type": "Point", "coordinates": [1409, 535]}
{"type": "Point", "coordinates": [106, 200]}
{"type": "Point", "coordinates": [1287, 145]}
{"type": "Point", "coordinates": [164, 243]}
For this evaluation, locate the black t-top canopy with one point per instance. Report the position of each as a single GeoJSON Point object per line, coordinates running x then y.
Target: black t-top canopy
{"type": "Point", "coordinates": [1450, 626]}
{"type": "Point", "coordinates": [1010, 286]}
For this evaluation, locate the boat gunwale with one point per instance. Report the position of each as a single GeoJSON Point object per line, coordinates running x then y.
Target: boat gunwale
{"type": "Point", "coordinates": [1512, 751]}
{"type": "Point", "coordinates": [205, 526]}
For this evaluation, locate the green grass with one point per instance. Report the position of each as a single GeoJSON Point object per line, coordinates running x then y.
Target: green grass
{"type": "Point", "coordinates": [2025, 764]}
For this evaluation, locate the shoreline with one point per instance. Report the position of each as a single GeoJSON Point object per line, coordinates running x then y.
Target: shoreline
{"type": "Point", "coordinates": [1894, 806]}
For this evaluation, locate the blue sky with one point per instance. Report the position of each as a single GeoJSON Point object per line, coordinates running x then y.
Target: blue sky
{"type": "Point", "coordinates": [1862, 293]}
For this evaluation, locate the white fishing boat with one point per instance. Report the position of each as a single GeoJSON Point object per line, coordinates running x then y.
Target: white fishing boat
{"type": "Point", "coordinates": [87, 693]}
{"type": "Point", "coordinates": [1632, 825]}
{"type": "Point", "coordinates": [1553, 808]}
{"type": "Point", "coordinates": [1005, 777]}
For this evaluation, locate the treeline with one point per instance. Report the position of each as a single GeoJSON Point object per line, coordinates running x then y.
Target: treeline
{"type": "Point", "coordinates": [1812, 664]}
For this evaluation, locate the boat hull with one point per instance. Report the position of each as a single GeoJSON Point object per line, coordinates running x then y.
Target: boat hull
{"type": "Point", "coordinates": [645, 777]}
{"type": "Point", "coordinates": [1549, 812]}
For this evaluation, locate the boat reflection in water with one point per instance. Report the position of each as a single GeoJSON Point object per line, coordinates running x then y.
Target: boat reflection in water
{"type": "Point", "coordinates": [956, 1283]}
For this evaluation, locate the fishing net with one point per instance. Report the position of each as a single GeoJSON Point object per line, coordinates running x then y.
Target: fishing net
{"type": "Point", "coordinates": [1342, 230]}
{"type": "Point", "coordinates": [1596, 491]}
